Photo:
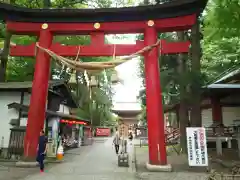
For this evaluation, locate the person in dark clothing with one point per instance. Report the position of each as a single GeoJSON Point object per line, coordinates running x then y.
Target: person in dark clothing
{"type": "Point", "coordinates": [42, 150]}
{"type": "Point", "coordinates": [130, 136]}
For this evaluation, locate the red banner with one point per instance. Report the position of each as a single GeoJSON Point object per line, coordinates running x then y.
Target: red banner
{"type": "Point", "coordinates": [72, 122]}
{"type": "Point", "coordinates": [102, 131]}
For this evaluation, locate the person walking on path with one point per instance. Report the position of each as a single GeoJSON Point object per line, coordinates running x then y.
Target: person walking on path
{"type": "Point", "coordinates": [130, 135]}
{"type": "Point", "coordinates": [42, 150]}
{"type": "Point", "coordinates": [116, 141]}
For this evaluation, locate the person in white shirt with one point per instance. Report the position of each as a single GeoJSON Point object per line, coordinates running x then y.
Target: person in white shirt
{"type": "Point", "coordinates": [116, 141]}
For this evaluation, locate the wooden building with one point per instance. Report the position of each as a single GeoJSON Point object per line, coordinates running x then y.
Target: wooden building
{"type": "Point", "coordinates": [127, 120]}
{"type": "Point", "coordinates": [14, 103]}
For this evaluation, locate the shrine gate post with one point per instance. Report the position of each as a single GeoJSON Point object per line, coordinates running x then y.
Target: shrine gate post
{"type": "Point", "coordinates": [36, 114]}
{"type": "Point", "coordinates": [155, 119]}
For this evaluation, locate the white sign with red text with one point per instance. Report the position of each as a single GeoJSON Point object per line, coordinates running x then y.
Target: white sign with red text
{"type": "Point", "coordinates": [197, 146]}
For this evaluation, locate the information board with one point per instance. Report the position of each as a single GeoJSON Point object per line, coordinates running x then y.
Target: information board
{"type": "Point", "coordinates": [197, 146]}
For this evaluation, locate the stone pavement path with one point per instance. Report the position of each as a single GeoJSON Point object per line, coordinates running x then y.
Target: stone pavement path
{"type": "Point", "coordinates": [171, 176]}
{"type": "Point", "coordinates": [96, 162]}
{"type": "Point", "coordinates": [8, 171]}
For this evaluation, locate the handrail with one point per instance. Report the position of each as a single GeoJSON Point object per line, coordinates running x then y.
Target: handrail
{"type": "Point", "coordinates": [172, 135]}
{"type": "Point", "coordinates": [223, 131]}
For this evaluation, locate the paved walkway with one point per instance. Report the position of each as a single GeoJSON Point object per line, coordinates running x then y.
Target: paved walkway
{"type": "Point", "coordinates": [96, 162]}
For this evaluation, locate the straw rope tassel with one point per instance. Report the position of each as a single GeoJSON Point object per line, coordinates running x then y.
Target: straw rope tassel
{"type": "Point", "coordinates": [86, 78]}
{"type": "Point", "coordinates": [114, 58]}
{"type": "Point", "coordinates": [160, 51]}
{"type": "Point", "coordinates": [78, 52]}
{"type": "Point", "coordinates": [114, 52]}
{"type": "Point", "coordinates": [105, 76]}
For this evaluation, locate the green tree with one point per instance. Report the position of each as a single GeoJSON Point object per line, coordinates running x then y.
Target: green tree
{"type": "Point", "coordinates": [221, 30]}
{"type": "Point", "coordinates": [98, 107]}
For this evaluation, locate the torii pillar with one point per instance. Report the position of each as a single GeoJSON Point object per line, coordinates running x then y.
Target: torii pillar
{"type": "Point", "coordinates": [155, 119]}
{"type": "Point", "coordinates": [36, 114]}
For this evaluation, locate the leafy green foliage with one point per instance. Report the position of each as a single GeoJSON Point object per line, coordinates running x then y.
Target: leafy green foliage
{"type": "Point", "coordinates": [220, 56]}
{"type": "Point", "coordinates": [95, 104]}
{"type": "Point", "coordinates": [222, 19]}
{"type": "Point", "coordinates": [221, 30]}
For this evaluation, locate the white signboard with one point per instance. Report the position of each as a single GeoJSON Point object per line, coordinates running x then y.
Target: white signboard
{"type": "Point", "coordinates": [197, 146]}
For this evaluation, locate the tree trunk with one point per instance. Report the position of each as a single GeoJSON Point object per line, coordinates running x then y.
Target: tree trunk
{"type": "Point", "coordinates": [4, 57]}
{"type": "Point", "coordinates": [90, 105]}
{"type": "Point", "coordinates": [146, 2]}
{"type": "Point", "coordinates": [46, 3]}
{"type": "Point", "coordinates": [196, 117]}
{"type": "Point", "coordinates": [183, 108]}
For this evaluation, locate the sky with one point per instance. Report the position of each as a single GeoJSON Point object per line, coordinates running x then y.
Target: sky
{"type": "Point", "coordinates": [127, 91]}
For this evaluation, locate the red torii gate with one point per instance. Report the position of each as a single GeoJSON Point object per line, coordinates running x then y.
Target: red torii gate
{"type": "Point", "coordinates": [96, 48]}
{"type": "Point", "coordinates": [40, 26]}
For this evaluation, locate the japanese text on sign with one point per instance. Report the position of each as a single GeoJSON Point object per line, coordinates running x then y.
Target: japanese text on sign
{"type": "Point", "coordinates": [197, 147]}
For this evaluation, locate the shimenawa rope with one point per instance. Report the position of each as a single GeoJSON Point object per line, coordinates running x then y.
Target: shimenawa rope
{"type": "Point", "coordinates": [95, 66]}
